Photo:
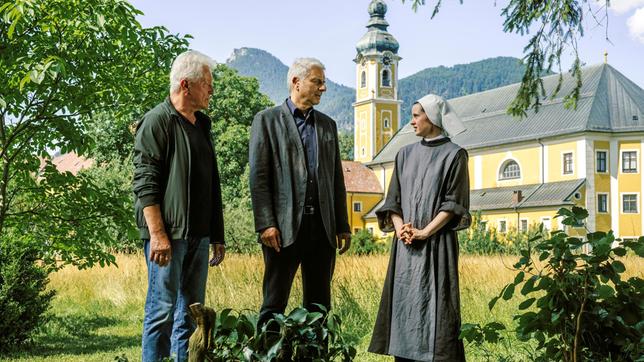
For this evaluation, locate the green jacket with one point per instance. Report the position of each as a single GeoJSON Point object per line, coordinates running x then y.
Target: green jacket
{"type": "Point", "coordinates": [162, 173]}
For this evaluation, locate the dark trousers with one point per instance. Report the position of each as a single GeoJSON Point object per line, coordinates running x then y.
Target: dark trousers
{"type": "Point", "coordinates": [313, 251]}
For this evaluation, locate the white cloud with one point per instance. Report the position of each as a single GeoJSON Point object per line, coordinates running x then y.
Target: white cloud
{"type": "Point", "coordinates": [623, 6]}
{"type": "Point", "coordinates": [636, 24]}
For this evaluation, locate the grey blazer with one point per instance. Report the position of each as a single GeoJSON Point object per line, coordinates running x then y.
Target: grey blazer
{"type": "Point", "coordinates": [278, 174]}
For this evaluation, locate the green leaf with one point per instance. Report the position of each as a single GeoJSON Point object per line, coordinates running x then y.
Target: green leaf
{"type": "Point", "coordinates": [605, 291]}
{"type": "Point", "coordinates": [618, 266]}
{"type": "Point", "coordinates": [492, 302]}
{"type": "Point", "coordinates": [3, 104]}
{"type": "Point", "coordinates": [509, 291]}
{"type": "Point", "coordinates": [519, 278]}
{"type": "Point", "coordinates": [298, 315]}
{"type": "Point", "coordinates": [526, 303]}
{"type": "Point", "coordinates": [528, 286]}
{"type": "Point", "coordinates": [544, 256]}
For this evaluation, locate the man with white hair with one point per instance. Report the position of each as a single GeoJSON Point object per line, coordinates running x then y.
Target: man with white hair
{"type": "Point", "coordinates": [178, 206]}
{"type": "Point", "coordinates": [298, 193]}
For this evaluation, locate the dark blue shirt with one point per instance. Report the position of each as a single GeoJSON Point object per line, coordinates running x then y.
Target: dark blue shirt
{"type": "Point", "coordinates": [305, 122]}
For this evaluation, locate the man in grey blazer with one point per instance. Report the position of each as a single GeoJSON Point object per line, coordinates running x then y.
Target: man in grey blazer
{"type": "Point", "coordinates": [298, 193]}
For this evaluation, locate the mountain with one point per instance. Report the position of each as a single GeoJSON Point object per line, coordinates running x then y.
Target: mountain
{"type": "Point", "coordinates": [271, 73]}
{"type": "Point", "coordinates": [449, 82]}
{"type": "Point", "coordinates": [459, 80]}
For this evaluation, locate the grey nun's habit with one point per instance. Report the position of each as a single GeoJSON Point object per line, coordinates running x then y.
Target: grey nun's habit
{"type": "Point", "coordinates": [419, 315]}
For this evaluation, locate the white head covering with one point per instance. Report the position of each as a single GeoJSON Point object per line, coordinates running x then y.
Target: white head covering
{"type": "Point", "coordinates": [441, 114]}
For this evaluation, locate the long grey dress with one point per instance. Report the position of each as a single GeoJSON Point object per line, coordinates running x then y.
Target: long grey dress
{"type": "Point", "coordinates": [419, 316]}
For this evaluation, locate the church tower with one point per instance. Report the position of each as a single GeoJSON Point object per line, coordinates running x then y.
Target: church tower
{"type": "Point", "coordinates": [377, 108]}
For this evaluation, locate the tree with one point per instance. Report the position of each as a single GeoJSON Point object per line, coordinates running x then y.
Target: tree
{"type": "Point", "coordinates": [346, 145]}
{"type": "Point", "coordinates": [557, 25]}
{"type": "Point", "coordinates": [62, 62]}
{"type": "Point", "coordinates": [235, 101]}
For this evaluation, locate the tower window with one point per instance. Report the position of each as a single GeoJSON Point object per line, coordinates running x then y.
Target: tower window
{"type": "Point", "coordinates": [386, 78]}
{"type": "Point", "coordinates": [386, 123]}
{"type": "Point", "coordinates": [363, 79]}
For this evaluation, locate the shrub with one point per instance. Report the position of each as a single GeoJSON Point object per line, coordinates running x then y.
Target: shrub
{"type": "Point", "coordinates": [23, 299]}
{"type": "Point", "coordinates": [301, 335]}
{"type": "Point", "coordinates": [364, 243]}
{"type": "Point", "coordinates": [576, 305]}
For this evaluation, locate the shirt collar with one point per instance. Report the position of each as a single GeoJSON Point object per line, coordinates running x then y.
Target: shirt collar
{"type": "Point", "coordinates": [294, 109]}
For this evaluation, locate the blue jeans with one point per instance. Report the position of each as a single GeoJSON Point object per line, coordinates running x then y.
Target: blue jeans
{"type": "Point", "coordinates": [167, 325]}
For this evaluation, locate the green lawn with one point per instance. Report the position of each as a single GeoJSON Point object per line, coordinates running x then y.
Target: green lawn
{"type": "Point", "coordinates": [97, 313]}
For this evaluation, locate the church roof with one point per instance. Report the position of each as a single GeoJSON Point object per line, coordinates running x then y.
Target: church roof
{"type": "Point", "coordinates": [536, 195]}
{"type": "Point", "coordinates": [608, 102]}
{"type": "Point", "coordinates": [359, 178]}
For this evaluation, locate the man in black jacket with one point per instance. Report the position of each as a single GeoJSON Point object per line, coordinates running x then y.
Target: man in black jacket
{"type": "Point", "coordinates": [298, 193]}
{"type": "Point", "coordinates": [178, 206]}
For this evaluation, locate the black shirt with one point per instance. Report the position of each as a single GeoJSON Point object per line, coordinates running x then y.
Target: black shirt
{"type": "Point", "coordinates": [201, 171]}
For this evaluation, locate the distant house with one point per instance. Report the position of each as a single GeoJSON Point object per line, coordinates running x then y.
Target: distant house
{"type": "Point", "coordinates": [363, 193]}
{"type": "Point", "coordinates": [70, 162]}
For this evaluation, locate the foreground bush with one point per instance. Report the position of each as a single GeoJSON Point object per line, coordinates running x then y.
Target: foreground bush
{"type": "Point", "coordinates": [576, 305]}
{"type": "Point", "coordinates": [23, 299]}
{"type": "Point", "coordinates": [299, 336]}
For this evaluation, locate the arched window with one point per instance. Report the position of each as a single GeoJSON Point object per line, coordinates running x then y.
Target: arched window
{"type": "Point", "coordinates": [510, 170]}
{"type": "Point", "coordinates": [363, 79]}
{"type": "Point", "coordinates": [386, 78]}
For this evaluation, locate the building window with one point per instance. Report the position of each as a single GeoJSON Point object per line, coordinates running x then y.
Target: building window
{"type": "Point", "coordinates": [601, 161]}
{"type": "Point", "coordinates": [483, 225]}
{"type": "Point", "coordinates": [629, 162]}
{"type": "Point", "coordinates": [370, 230]}
{"type": "Point", "coordinates": [523, 225]}
{"type": "Point", "coordinates": [356, 230]}
{"type": "Point", "coordinates": [363, 79]}
{"type": "Point", "coordinates": [547, 223]}
{"type": "Point", "coordinates": [503, 226]}
{"type": "Point", "coordinates": [510, 170]}
{"type": "Point", "coordinates": [357, 206]}
{"type": "Point", "coordinates": [386, 123]}
{"type": "Point", "coordinates": [567, 163]}
{"type": "Point", "coordinates": [362, 151]}
{"type": "Point", "coordinates": [629, 203]}
{"type": "Point", "coordinates": [386, 78]}
{"type": "Point", "coordinates": [602, 203]}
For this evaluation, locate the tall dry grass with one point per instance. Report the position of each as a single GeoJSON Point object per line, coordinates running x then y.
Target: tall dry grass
{"type": "Point", "coordinates": [97, 313]}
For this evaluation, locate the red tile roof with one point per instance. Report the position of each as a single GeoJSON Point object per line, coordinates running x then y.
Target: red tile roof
{"type": "Point", "coordinates": [71, 162]}
{"type": "Point", "coordinates": [359, 178]}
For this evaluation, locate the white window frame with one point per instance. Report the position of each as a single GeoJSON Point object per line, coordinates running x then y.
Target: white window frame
{"type": "Point", "coordinates": [527, 225]}
{"type": "Point", "coordinates": [499, 225]}
{"type": "Point", "coordinates": [621, 203]}
{"type": "Point", "coordinates": [370, 230]}
{"type": "Point", "coordinates": [499, 170]}
{"type": "Point", "coordinates": [483, 224]}
{"type": "Point", "coordinates": [359, 204]}
{"type": "Point", "coordinates": [563, 163]}
{"type": "Point", "coordinates": [363, 79]}
{"type": "Point", "coordinates": [607, 160]}
{"type": "Point", "coordinates": [620, 162]}
{"type": "Point", "coordinates": [504, 164]}
{"type": "Point", "coordinates": [607, 202]}
{"type": "Point", "coordinates": [549, 226]}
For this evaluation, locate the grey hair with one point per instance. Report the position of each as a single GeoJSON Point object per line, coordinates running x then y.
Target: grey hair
{"type": "Point", "coordinates": [301, 68]}
{"type": "Point", "coordinates": [188, 65]}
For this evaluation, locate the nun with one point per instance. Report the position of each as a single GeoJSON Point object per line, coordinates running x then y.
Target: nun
{"type": "Point", "coordinates": [427, 202]}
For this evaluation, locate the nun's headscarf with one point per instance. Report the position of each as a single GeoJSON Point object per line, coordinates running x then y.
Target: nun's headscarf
{"type": "Point", "coordinates": [441, 114]}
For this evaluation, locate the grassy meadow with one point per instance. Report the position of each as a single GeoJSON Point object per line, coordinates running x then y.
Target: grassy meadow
{"type": "Point", "coordinates": [97, 313]}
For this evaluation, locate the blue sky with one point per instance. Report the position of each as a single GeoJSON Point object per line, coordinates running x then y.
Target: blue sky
{"type": "Point", "coordinates": [329, 30]}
